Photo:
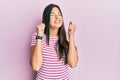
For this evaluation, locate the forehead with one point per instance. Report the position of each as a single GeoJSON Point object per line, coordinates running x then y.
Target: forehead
{"type": "Point", "coordinates": [55, 9]}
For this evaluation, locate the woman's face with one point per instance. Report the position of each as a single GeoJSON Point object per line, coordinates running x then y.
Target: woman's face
{"type": "Point", "coordinates": [56, 19]}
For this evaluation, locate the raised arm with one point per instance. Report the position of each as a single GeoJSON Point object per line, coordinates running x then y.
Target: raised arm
{"type": "Point", "coordinates": [36, 51]}
{"type": "Point", "coordinates": [72, 52]}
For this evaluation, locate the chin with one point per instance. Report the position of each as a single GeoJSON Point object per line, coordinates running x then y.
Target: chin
{"type": "Point", "coordinates": [57, 26]}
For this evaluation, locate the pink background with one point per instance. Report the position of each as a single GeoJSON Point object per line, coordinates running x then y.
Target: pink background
{"type": "Point", "coordinates": [97, 37]}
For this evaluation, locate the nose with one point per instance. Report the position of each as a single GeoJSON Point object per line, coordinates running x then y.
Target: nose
{"type": "Point", "coordinates": [56, 16]}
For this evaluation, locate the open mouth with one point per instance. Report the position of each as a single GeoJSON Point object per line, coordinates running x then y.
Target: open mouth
{"type": "Point", "coordinates": [57, 21]}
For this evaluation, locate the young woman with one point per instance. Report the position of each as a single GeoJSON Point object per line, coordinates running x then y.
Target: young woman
{"type": "Point", "coordinates": [53, 51]}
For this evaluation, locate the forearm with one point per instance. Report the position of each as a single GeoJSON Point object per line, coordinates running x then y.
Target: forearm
{"type": "Point", "coordinates": [37, 56]}
{"type": "Point", "coordinates": [72, 53]}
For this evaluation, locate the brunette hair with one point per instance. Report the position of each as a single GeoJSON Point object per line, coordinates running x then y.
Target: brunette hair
{"type": "Point", "coordinates": [62, 43]}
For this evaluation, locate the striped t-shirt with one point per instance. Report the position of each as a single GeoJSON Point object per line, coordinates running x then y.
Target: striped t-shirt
{"type": "Point", "coordinates": [52, 68]}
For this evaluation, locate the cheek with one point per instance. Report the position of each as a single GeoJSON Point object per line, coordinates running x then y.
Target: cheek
{"type": "Point", "coordinates": [61, 20]}
{"type": "Point", "coordinates": [51, 20]}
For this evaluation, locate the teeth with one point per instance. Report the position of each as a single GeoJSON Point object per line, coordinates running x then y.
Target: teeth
{"type": "Point", "coordinates": [57, 21]}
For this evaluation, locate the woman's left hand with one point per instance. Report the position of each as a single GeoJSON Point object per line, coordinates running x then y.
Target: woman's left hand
{"type": "Point", "coordinates": [71, 29]}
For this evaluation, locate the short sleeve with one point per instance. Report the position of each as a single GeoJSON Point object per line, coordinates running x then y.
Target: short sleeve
{"type": "Point", "coordinates": [33, 40]}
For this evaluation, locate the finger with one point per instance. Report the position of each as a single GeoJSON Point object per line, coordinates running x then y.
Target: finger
{"type": "Point", "coordinates": [69, 30]}
{"type": "Point", "coordinates": [70, 22]}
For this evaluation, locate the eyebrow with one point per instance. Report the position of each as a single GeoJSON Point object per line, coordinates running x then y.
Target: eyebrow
{"type": "Point", "coordinates": [54, 12]}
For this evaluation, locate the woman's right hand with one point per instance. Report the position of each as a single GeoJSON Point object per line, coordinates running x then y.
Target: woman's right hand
{"type": "Point", "coordinates": [40, 29]}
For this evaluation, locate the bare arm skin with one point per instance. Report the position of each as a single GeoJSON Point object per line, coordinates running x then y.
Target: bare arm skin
{"type": "Point", "coordinates": [36, 51]}
{"type": "Point", "coordinates": [72, 52]}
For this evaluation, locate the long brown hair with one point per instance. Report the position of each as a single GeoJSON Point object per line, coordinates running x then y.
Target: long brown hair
{"type": "Point", "coordinates": [62, 43]}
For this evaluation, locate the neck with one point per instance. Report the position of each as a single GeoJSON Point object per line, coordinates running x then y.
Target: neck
{"type": "Point", "coordinates": [53, 32]}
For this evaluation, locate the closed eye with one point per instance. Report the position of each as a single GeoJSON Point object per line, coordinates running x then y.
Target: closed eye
{"type": "Point", "coordinates": [53, 14]}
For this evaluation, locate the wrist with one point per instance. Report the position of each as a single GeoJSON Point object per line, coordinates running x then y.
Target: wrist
{"type": "Point", "coordinates": [39, 34]}
{"type": "Point", "coordinates": [71, 36]}
{"type": "Point", "coordinates": [38, 37]}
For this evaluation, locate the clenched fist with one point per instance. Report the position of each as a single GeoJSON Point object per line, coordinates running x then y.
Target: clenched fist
{"type": "Point", "coordinates": [40, 29]}
{"type": "Point", "coordinates": [71, 29]}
